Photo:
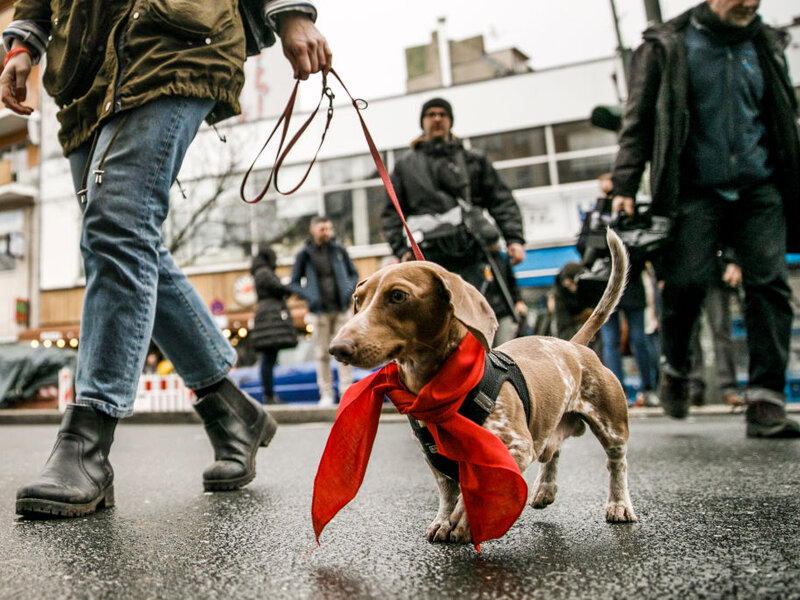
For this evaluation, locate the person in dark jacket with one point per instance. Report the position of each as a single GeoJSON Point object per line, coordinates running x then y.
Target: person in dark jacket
{"type": "Point", "coordinates": [429, 181]}
{"type": "Point", "coordinates": [711, 107]}
{"type": "Point", "coordinates": [510, 316]}
{"type": "Point", "coordinates": [330, 280]}
{"type": "Point", "coordinates": [134, 81]}
{"type": "Point", "coordinates": [569, 311]}
{"type": "Point", "coordinates": [632, 305]}
{"type": "Point", "coordinates": [273, 328]}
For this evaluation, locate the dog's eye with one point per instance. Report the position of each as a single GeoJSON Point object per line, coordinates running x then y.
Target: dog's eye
{"type": "Point", "coordinates": [397, 296]}
{"type": "Point", "coordinates": [356, 303]}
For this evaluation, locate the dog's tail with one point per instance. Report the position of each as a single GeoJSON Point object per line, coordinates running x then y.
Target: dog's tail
{"type": "Point", "coordinates": [614, 289]}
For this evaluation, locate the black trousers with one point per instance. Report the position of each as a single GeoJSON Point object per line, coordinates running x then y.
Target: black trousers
{"type": "Point", "coordinates": [754, 226]}
{"type": "Point", "coordinates": [268, 358]}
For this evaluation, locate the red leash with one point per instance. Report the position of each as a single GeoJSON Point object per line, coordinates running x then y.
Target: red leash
{"type": "Point", "coordinates": [280, 156]}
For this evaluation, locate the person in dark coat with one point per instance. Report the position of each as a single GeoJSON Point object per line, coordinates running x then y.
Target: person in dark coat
{"type": "Point", "coordinates": [429, 181]}
{"type": "Point", "coordinates": [273, 328]}
{"type": "Point", "coordinates": [324, 276]}
{"type": "Point", "coordinates": [632, 305]}
{"type": "Point", "coordinates": [712, 109]}
{"type": "Point", "coordinates": [569, 313]}
{"type": "Point", "coordinates": [510, 319]}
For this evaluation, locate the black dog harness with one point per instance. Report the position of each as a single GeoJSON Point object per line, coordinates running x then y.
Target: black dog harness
{"type": "Point", "coordinates": [478, 405]}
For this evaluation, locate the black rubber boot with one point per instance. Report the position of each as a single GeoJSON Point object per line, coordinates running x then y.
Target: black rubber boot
{"type": "Point", "coordinates": [77, 479]}
{"type": "Point", "coordinates": [236, 425]}
{"type": "Point", "coordinates": [769, 420]}
{"type": "Point", "coordinates": [673, 393]}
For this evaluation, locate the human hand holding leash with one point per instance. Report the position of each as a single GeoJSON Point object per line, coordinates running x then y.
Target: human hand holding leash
{"type": "Point", "coordinates": [303, 45]}
{"type": "Point", "coordinates": [14, 79]}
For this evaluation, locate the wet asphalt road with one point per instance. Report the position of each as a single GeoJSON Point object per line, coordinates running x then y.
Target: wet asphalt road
{"type": "Point", "coordinates": [719, 518]}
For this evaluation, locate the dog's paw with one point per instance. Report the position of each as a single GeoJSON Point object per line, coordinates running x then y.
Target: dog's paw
{"type": "Point", "coordinates": [461, 534]}
{"type": "Point", "coordinates": [544, 495]}
{"type": "Point", "coordinates": [620, 512]}
{"type": "Point", "coordinates": [439, 531]}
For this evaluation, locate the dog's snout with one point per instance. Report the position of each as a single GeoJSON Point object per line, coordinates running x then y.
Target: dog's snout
{"type": "Point", "coordinates": [343, 350]}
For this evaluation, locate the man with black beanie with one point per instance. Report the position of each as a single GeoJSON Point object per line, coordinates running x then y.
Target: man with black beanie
{"type": "Point", "coordinates": [436, 184]}
{"type": "Point", "coordinates": [712, 109]}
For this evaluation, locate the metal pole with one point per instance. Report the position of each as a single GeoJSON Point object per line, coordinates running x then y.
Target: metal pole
{"type": "Point", "coordinates": [623, 52]}
{"type": "Point", "coordinates": [652, 10]}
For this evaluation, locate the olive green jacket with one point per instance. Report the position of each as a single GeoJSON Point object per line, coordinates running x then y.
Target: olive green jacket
{"type": "Point", "coordinates": [109, 56]}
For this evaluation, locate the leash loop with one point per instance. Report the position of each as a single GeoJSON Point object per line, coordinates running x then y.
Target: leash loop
{"type": "Point", "coordinates": [359, 104]}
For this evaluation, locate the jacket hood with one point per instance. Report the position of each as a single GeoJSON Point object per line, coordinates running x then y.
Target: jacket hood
{"type": "Point", "coordinates": [268, 254]}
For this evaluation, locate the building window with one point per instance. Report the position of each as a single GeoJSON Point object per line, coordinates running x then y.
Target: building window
{"type": "Point", "coordinates": [584, 168]}
{"type": "Point", "coordinates": [283, 222]}
{"type": "Point", "coordinates": [12, 226]}
{"type": "Point", "coordinates": [356, 214]}
{"type": "Point", "coordinates": [349, 170]}
{"type": "Point", "coordinates": [511, 144]}
{"type": "Point", "coordinates": [518, 178]}
{"type": "Point", "coordinates": [581, 135]}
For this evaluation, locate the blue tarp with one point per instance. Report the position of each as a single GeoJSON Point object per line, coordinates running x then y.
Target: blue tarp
{"type": "Point", "coordinates": [541, 265]}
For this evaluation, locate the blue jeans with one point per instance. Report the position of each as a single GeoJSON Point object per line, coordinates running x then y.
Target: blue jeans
{"type": "Point", "coordinates": [612, 355]}
{"type": "Point", "coordinates": [134, 289]}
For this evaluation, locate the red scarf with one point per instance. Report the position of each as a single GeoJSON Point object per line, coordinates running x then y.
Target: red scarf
{"type": "Point", "coordinates": [493, 489]}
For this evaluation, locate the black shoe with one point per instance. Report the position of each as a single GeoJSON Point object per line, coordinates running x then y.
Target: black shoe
{"type": "Point", "coordinates": [236, 425]}
{"type": "Point", "coordinates": [77, 479]}
{"type": "Point", "coordinates": [672, 391]}
{"type": "Point", "coordinates": [769, 420]}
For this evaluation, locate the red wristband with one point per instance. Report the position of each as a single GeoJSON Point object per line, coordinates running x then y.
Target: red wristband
{"type": "Point", "coordinates": [14, 51]}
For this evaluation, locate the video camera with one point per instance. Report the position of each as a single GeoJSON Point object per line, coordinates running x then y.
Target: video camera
{"type": "Point", "coordinates": [642, 233]}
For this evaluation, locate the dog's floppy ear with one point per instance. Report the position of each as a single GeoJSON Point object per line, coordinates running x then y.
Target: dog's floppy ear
{"type": "Point", "coordinates": [469, 307]}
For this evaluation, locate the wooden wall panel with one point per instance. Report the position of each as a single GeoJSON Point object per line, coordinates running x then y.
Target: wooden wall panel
{"type": "Point", "coordinates": [63, 307]}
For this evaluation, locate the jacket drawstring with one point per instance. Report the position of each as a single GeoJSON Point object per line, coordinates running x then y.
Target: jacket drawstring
{"type": "Point", "coordinates": [98, 172]}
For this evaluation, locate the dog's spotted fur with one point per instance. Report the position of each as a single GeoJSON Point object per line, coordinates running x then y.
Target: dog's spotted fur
{"type": "Point", "coordinates": [416, 313]}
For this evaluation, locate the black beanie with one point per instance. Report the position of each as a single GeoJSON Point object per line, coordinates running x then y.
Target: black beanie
{"type": "Point", "coordinates": [438, 103]}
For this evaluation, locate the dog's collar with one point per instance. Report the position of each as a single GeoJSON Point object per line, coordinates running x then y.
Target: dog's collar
{"type": "Point", "coordinates": [477, 406]}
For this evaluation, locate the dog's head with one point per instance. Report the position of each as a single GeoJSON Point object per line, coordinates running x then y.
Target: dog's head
{"type": "Point", "coordinates": [406, 307]}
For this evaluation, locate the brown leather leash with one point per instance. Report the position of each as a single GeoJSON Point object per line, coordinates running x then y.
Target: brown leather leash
{"type": "Point", "coordinates": [280, 156]}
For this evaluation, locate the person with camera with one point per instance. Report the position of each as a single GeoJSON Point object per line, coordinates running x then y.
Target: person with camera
{"type": "Point", "coordinates": [632, 304]}
{"type": "Point", "coordinates": [443, 189]}
{"type": "Point", "coordinates": [711, 108]}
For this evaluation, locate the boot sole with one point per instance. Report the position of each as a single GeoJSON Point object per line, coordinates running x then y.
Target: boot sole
{"type": "Point", "coordinates": [38, 507]}
{"type": "Point", "coordinates": [268, 429]}
{"type": "Point", "coordinates": [776, 432]}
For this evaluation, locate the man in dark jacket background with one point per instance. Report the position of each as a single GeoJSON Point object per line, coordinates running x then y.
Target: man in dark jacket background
{"type": "Point", "coordinates": [330, 279]}
{"type": "Point", "coordinates": [429, 180]}
{"type": "Point", "coordinates": [712, 109]}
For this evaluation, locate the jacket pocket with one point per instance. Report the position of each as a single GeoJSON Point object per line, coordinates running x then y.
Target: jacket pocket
{"type": "Point", "coordinates": [192, 19]}
{"type": "Point", "coordinates": [70, 68]}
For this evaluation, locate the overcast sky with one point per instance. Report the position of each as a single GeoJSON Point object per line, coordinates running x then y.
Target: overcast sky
{"type": "Point", "coordinates": [368, 37]}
